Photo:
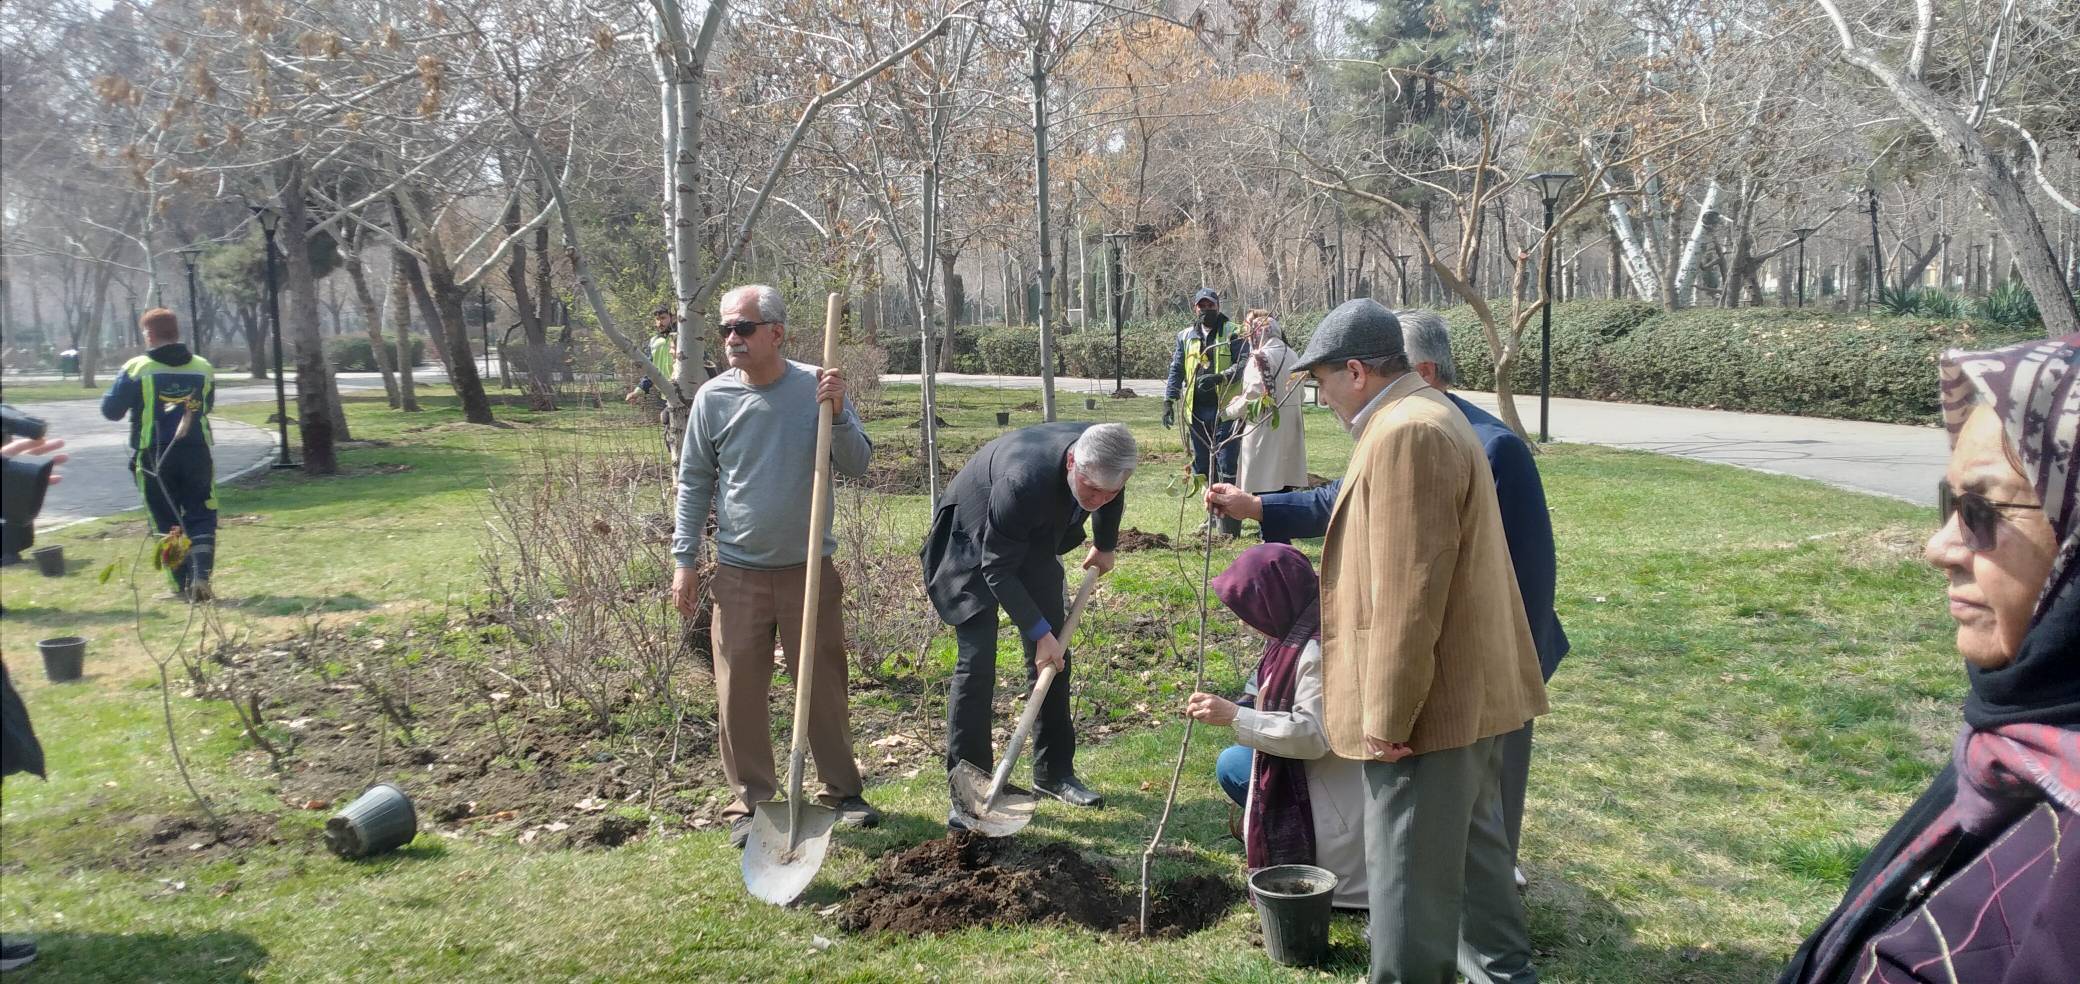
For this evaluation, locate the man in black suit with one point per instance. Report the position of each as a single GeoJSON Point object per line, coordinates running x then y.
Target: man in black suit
{"type": "Point", "coordinates": [997, 540]}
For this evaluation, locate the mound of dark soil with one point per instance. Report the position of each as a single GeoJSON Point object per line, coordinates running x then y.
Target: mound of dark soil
{"type": "Point", "coordinates": [182, 839]}
{"type": "Point", "coordinates": [966, 880]}
{"type": "Point", "coordinates": [1132, 539]}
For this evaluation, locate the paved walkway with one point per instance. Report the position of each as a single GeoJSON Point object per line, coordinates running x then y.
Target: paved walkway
{"type": "Point", "coordinates": [1893, 460]}
{"type": "Point", "coordinates": [97, 478]}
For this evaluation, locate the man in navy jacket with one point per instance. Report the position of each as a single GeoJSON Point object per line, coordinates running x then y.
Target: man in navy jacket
{"type": "Point", "coordinates": [1286, 516]}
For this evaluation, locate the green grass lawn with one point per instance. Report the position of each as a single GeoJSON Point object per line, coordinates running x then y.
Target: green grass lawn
{"type": "Point", "coordinates": [1761, 680]}
{"type": "Point", "coordinates": [43, 388]}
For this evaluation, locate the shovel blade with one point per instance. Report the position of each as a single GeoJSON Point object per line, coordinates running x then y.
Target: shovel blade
{"type": "Point", "coordinates": [777, 867]}
{"type": "Point", "coordinates": [971, 805]}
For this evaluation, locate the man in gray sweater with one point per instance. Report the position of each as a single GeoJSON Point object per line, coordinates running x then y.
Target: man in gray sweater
{"type": "Point", "coordinates": [750, 453]}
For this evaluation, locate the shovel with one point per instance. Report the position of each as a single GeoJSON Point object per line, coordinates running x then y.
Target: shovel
{"type": "Point", "coordinates": [789, 836]}
{"type": "Point", "coordinates": [979, 798]}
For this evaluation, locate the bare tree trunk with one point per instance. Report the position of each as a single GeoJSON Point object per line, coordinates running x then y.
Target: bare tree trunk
{"type": "Point", "coordinates": [256, 339]}
{"type": "Point", "coordinates": [314, 414]}
{"type": "Point", "coordinates": [90, 356]}
{"type": "Point", "coordinates": [379, 351]}
{"type": "Point", "coordinates": [541, 386]}
{"type": "Point", "coordinates": [447, 319]}
{"type": "Point", "coordinates": [2000, 188]}
{"type": "Point", "coordinates": [400, 314]}
{"type": "Point", "coordinates": [956, 301]}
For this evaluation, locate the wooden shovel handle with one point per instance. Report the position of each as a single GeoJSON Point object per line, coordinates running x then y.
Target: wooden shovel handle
{"type": "Point", "coordinates": [1047, 675]}
{"type": "Point", "coordinates": [812, 577]}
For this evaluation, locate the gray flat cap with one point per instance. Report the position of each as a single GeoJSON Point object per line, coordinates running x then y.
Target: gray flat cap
{"type": "Point", "coordinates": [1360, 328]}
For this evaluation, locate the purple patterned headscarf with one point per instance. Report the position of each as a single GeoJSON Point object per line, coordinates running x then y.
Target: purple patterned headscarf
{"type": "Point", "coordinates": [2035, 390]}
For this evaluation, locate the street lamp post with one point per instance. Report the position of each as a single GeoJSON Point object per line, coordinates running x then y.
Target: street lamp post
{"type": "Point", "coordinates": [1802, 233]}
{"type": "Point", "coordinates": [269, 218]}
{"type": "Point", "coordinates": [1118, 241]}
{"type": "Point", "coordinates": [188, 256]}
{"type": "Point", "coordinates": [1551, 185]}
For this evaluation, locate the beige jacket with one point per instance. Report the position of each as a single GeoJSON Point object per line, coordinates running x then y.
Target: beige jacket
{"type": "Point", "coordinates": [1423, 634]}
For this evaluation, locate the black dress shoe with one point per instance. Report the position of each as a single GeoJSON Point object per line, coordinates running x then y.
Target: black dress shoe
{"type": "Point", "coordinates": [1071, 791]}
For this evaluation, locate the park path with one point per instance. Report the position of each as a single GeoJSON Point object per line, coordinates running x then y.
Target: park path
{"type": "Point", "coordinates": [97, 478]}
{"type": "Point", "coordinates": [1898, 461]}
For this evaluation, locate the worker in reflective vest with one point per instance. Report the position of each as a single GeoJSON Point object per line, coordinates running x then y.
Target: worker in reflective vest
{"type": "Point", "coordinates": [168, 393]}
{"type": "Point", "coordinates": [1206, 371]}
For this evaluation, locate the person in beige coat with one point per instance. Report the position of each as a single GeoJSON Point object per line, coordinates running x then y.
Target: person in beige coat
{"type": "Point", "coordinates": [1427, 660]}
{"type": "Point", "coordinates": [1274, 445]}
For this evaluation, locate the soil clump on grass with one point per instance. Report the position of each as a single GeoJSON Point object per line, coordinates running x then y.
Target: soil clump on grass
{"type": "Point", "coordinates": [1132, 539]}
{"type": "Point", "coordinates": [182, 839]}
{"type": "Point", "coordinates": [964, 880]}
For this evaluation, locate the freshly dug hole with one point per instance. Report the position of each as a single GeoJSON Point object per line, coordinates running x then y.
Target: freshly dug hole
{"type": "Point", "coordinates": [965, 880]}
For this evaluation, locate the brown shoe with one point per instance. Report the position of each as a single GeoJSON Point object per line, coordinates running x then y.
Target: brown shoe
{"type": "Point", "coordinates": [1235, 821]}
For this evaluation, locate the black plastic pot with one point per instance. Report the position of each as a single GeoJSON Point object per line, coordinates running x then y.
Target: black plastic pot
{"type": "Point", "coordinates": [1090, 403]}
{"type": "Point", "coordinates": [1003, 418]}
{"type": "Point", "coordinates": [50, 560]}
{"type": "Point", "coordinates": [1293, 904]}
{"type": "Point", "coordinates": [63, 658]}
{"type": "Point", "coordinates": [381, 820]}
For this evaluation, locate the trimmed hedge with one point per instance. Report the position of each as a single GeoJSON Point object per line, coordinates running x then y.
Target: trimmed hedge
{"type": "Point", "coordinates": [356, 354]}
{"type": "Point", "coordinates": [1760, 360]}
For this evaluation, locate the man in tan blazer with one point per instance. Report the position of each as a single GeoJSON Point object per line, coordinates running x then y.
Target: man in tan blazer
{"type": "Point", "coordinates": [1426, 657]}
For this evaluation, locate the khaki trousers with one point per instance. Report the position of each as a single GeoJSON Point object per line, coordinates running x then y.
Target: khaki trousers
{"type": "Point", "coordinates": [750, 608]}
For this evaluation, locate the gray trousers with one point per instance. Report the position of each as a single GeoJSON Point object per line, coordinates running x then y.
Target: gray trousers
{"type": "Point", "coordinates": [1437, 864]}
{"type": "Point", "coordinates": [1516, 774]}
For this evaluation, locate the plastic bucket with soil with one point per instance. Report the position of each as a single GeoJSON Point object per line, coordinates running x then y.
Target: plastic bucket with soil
{"type": "Point", "coordinates": [1293, 903]}
{"type": "Point", "coordinates": [965, 880]}
{"type": "Point", "coordinates": [64, 658]}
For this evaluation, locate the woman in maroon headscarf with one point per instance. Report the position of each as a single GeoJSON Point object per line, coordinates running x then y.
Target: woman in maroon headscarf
{"type": "Point", "coordinates": [1301, 803]}
{"type": "Point", "coordinates": [1980, 881]}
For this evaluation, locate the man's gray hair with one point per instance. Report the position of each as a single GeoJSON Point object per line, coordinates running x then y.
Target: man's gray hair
{"type": "Point", "coordinates": [1106, 454]}
{"type": "Point", "coordinates": [1392, 365]}
{"type": "Point", "coordinates": [1429, 340]}
{"type": "Point", "coordinates": [764, 300]}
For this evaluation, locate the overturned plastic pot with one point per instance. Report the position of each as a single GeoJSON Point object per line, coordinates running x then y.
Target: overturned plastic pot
{"type": "Point", "coordinates": [1293, 903]}
{"type": "Point", "coordinates": [382, 820]}
{"type": "Point", "coordinates": [64, 658]}
{"type": "Point", "coordinates": [1003, 418]}
{"type": "Point", "coordinates": [50, 561]}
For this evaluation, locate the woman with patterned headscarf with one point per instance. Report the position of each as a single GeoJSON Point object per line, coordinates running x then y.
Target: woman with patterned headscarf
{"type": "Point", "coordinates": [1301, 803]}
{"type": "Point", "coordinates": [1980, 881]}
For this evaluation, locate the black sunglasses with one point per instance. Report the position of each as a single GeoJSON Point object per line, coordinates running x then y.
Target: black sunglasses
{"type": "Point", "coordinates": [1980, 516]}
{"type": "Point", "coordinates": [742, 329]}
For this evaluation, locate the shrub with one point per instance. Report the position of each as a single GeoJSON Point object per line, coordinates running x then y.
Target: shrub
{"type": "Point", "coordinates": [1764, 360]}
{"type": "Point", "coordinates": [356, 354]}
{"type": "Point", "coordinates": [2010, 304]}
